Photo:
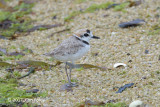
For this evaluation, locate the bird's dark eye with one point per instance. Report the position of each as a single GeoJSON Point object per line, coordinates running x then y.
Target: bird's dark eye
{"type": "Point", "coordinates": [86, 34]}
{"type": "Point", "coordinates": [88, 31]}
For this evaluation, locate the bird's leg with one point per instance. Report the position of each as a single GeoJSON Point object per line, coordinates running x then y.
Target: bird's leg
{"type": "Point", "coordinates": [70, 70]}
{"type": "Point", "coordinates": [69, 80]}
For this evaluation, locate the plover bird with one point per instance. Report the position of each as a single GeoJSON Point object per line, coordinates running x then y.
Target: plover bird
{"type": "Point", "coordinates": [72, 49]}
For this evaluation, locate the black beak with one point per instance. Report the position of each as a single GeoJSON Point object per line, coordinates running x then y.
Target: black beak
{"type": "Point", "coordinates": [95, 37]}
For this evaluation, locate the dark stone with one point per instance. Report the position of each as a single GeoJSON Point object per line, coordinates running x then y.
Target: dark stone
{"type": "Point", "coordinates": [128, 54]}
{"type": "Point", "coordinates": [21, 84]}
{"type": "Point", "coordinates": [111, 101]}
{"type": "Point", "coordinates": [133, 23]}
{"type": "Point", "coordinates": [54, 17]}
{"type": "Point", "coordinates": [96, 54]}
{"type": "Point", "coordinates": [32, 91]}
{"type": "Point", "coordinates": [111, 6]}
{"type": "Point", "coordinates": [106, 15]}
{"type": "Point", "coordinates": [130, 61]}
{"type": "Point", "coordinates": [5, 24]}
{"type": "Point", "coordinates": [121, 89]}
{"type": "Point", "coordinates": [144, 77]}
{"type": "Point", "coordinates": [146, 52]}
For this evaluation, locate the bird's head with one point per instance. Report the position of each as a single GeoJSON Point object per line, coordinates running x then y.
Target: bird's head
{"type": "Point", "coordinates": [85, 35]}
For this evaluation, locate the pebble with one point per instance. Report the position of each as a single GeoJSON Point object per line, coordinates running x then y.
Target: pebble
{"type": "Point", "coordinates": [32, 91]}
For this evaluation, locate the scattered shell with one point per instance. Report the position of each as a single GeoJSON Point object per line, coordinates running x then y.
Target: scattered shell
{"type": "Point", "coordinates": [116, 65]}
{"type": "Point", "coordinates": [137, 103]}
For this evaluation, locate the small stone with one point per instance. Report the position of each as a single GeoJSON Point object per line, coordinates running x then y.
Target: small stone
{"type": "Point", "coordinates": [32, 91]}
{"type": "Point", "coordinates": [54, 17]}
{"type": "Point", "coordinates": [144, 77]}
{"type": "Point", "coordinates": [146, 52]}
{"type": "Point", "coordinates": [130, 61]}
{"type": "Point", "coordinates": [106, 15]}
{"type": "Point", "coordinates": [21, 84]}
{"type": "Point", "coordinates": [128, 54]}
{"type": "Point", "coordinates": [96, 54]}
{"type": "Point", "coordinates": [111, 101]}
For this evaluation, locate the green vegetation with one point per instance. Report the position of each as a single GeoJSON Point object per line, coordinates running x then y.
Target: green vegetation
{"type": "Point", "coordinates": [119, 104]}
{"type": "Point", "coordinates": [9, 94]}
{"type": "Point", "coordinates": [15, 20]}
{"type": "Point", "coordinates": [5, 64]}
{"type": "Point", "coordinates": [16, 74]}
{"type": "Point", "coordinates": [42, 28]}
{"type": "Point", "coordinates": [95, 7]}
{"type": "Point", "coordinates": [90, 9]}
{"type": "Point", "coordinates": [13, 47]}
{"type": "Point", "coordinates": [121, 7]}
{"type": "Point", "coordinates": [27, 7]}
{"type": "Point", "coordinates": [80, 69]}
{"type": "Point", "coordinates": [80, 1]}
{"type": "Point", "coordinates": [155, 29]}
{"type": "Point", "coordinates": [6, 58]}
{"type": "Point", "coordinates": [73, 14]}
{"type": "Point", "coordinates": [74, 80]}
{"type": "Point", "coordinates": [122, 73]}
{"type": "Point", "coordinates": [157, 72]}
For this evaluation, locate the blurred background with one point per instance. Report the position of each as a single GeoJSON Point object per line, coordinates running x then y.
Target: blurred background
{"type": "Point", "coordinates": [129, 32]}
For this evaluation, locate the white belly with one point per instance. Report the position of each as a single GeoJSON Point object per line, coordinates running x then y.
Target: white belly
{"type": "Point", "coordinates": [80, 53]}
{"type": "Point", "coordinates": [76, 56]}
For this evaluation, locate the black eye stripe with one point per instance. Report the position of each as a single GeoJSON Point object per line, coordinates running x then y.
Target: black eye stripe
{"type": "Point", "coordinates": [86, 34]}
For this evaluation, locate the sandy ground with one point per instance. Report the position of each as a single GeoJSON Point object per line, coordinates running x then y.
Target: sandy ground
{"type": "Point", "coordinates": [116, 45]}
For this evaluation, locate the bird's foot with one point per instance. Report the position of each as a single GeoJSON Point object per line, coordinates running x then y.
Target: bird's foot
{"type": "Point", "coordinates": [72, 84]}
